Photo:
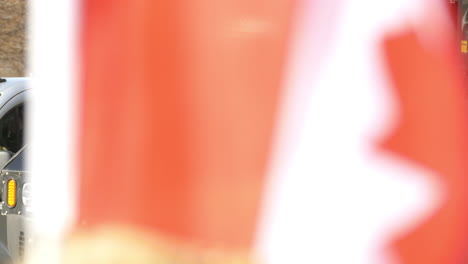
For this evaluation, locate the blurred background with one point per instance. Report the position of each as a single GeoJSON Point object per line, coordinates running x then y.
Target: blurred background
{"type": "Point", "coordinates": [13, 40]}
{"type": "Point", "coordinates": [234, 131]}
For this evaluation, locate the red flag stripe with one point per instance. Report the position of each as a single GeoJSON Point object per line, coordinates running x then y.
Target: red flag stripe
{"type": "Point", "coordinates": [178, 107]}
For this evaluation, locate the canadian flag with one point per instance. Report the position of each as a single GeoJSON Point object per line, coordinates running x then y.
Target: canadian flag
{"type": "Point", "coordinates": [247, 131]}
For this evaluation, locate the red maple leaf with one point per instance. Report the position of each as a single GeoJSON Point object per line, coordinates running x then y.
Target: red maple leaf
{"type": "Point", "coordinates": [432, 133]}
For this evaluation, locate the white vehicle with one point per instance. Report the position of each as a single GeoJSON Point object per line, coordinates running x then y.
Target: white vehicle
{"type": "Point", "coordinates": [13, 96]}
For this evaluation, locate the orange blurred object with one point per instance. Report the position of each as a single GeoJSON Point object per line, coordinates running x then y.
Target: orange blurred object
{"type": "Point", "coordinates": [178, 106]}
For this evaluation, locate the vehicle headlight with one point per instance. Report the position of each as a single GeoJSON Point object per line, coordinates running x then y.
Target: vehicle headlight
{"type": "Point", "coordinates": [27, 194]}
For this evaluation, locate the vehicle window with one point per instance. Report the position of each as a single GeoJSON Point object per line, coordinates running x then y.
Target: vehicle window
{"type": "Point", "coordinates": [464, 20]}
{"type": "Point", "coordinates": [17, 164]}
{"type": "Point", "coordinates": [12, 129]}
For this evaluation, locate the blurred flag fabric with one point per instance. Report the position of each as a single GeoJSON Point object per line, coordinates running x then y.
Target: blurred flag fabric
{"type": "Point", "coordinates": [245, 131]}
